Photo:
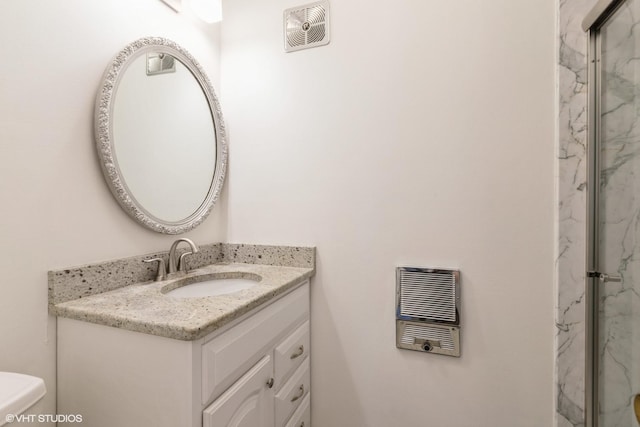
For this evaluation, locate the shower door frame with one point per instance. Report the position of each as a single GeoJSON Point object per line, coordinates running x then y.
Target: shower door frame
{"type": "Point", "coordinates": [592, 23]}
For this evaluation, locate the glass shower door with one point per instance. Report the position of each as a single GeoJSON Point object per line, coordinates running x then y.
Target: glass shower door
{"type": "Point", "coordinates": [617, 205]}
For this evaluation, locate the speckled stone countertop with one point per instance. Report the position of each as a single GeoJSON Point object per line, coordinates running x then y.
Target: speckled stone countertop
{"type": "Point", "coordinates": [144, 307]}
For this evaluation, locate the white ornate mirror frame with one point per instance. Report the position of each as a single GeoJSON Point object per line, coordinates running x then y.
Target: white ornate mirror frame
{"type": "Point", "coordinates": [105, 142]}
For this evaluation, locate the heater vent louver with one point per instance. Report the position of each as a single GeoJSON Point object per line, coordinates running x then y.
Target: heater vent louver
{"type": "Point", "coordinates": [428, 295]}
{"type": "Point", "coordinates": [306, 26]}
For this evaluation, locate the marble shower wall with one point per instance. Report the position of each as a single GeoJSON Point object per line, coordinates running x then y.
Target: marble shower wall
{"type": "Point", "coordinates": [620, 217]}
{"type": "Point", "coordinates": [572, 199]}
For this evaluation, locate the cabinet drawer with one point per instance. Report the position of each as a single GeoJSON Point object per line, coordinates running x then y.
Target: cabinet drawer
{"type": "Point", "coordinates": [302, 416]}
{"type": "Point", "coordinates": [293, 393]}
{"type": "Point", "coordinates": [290, 353]}
{"type": "Point", "coordinates": [231, 354]}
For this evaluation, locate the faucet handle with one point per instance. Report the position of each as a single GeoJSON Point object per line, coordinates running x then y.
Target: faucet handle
{"type": "Point", "coordinates": [182, 265]}
{"type": "Point", "coordinates": [161, 268]}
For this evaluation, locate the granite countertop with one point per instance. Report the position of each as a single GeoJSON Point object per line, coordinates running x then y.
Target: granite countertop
{"type": "Point", "coordinates": [144, 308]}
{"type": "Point", "coordinates": [122, 294]}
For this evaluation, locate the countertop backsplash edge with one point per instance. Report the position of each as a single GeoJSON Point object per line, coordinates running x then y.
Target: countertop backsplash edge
{"type": "Point", "coordinates": [73, 283]}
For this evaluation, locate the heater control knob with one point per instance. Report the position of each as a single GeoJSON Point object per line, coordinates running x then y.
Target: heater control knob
{"type": "Point", "coordinates": [427, 346]}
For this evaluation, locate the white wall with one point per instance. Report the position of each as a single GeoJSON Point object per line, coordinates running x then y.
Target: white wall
{"type": "Point", "coordinates": [422, 135]}
{"type": "Point", "coordinates": [56, 209]}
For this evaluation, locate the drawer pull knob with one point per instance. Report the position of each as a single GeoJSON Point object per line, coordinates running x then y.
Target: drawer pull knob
{"type": "Point", "coordinates": [299, 395]}
{"type": "Point", "coordinates": [299, 352]}
{"type": "Point", "coordinates": [270, 383]}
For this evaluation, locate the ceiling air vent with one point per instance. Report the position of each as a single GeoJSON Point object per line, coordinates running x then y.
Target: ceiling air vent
{"type": "Point", "coordinates": [306, 26]}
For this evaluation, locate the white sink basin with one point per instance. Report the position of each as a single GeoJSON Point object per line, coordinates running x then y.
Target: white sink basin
{"type": "Point", "coordinates": [213, 287]}
{"type": "Point", "coordinates": [18, 393]}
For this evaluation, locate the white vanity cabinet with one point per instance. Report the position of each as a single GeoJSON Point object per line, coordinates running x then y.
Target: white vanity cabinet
{"type": "Point", "coordinates": [253, 373]}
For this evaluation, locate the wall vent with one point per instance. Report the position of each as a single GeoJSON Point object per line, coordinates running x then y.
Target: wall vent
{"type": "Point", "coordinates": [427, 310]}
{"type": "Point", "coordinates": [306, 26]}
{"type": "Point", "coordinates": [160, 63]}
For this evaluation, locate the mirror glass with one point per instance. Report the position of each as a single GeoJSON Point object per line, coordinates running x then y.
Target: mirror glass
{"type": "Point", "coordinates": [160, 136]}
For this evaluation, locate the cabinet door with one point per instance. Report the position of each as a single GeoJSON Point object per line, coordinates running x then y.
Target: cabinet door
{"type": "Point", "coordinates": [247, 403]}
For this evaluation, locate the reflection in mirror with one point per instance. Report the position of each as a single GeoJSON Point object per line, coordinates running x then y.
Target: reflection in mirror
{"type": "Point", "coordinates": [160, 63]}
{"type": "Point", "coordinates": [164, 139]}
{"type": "Point", "coordinates": [160, 136]}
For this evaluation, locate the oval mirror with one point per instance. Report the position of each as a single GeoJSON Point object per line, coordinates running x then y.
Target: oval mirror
{"type": "Point", "coordinates": [160, 136]}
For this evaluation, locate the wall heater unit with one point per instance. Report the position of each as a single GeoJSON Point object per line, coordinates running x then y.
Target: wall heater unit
{"type": "Point", "coordinates": [428, 310]}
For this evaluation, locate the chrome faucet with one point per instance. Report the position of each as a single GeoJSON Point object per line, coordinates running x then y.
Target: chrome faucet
{"type": "Point", "coordinates": [173, 261]}
{"type": "Point", "coordinates": [179, 264]}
